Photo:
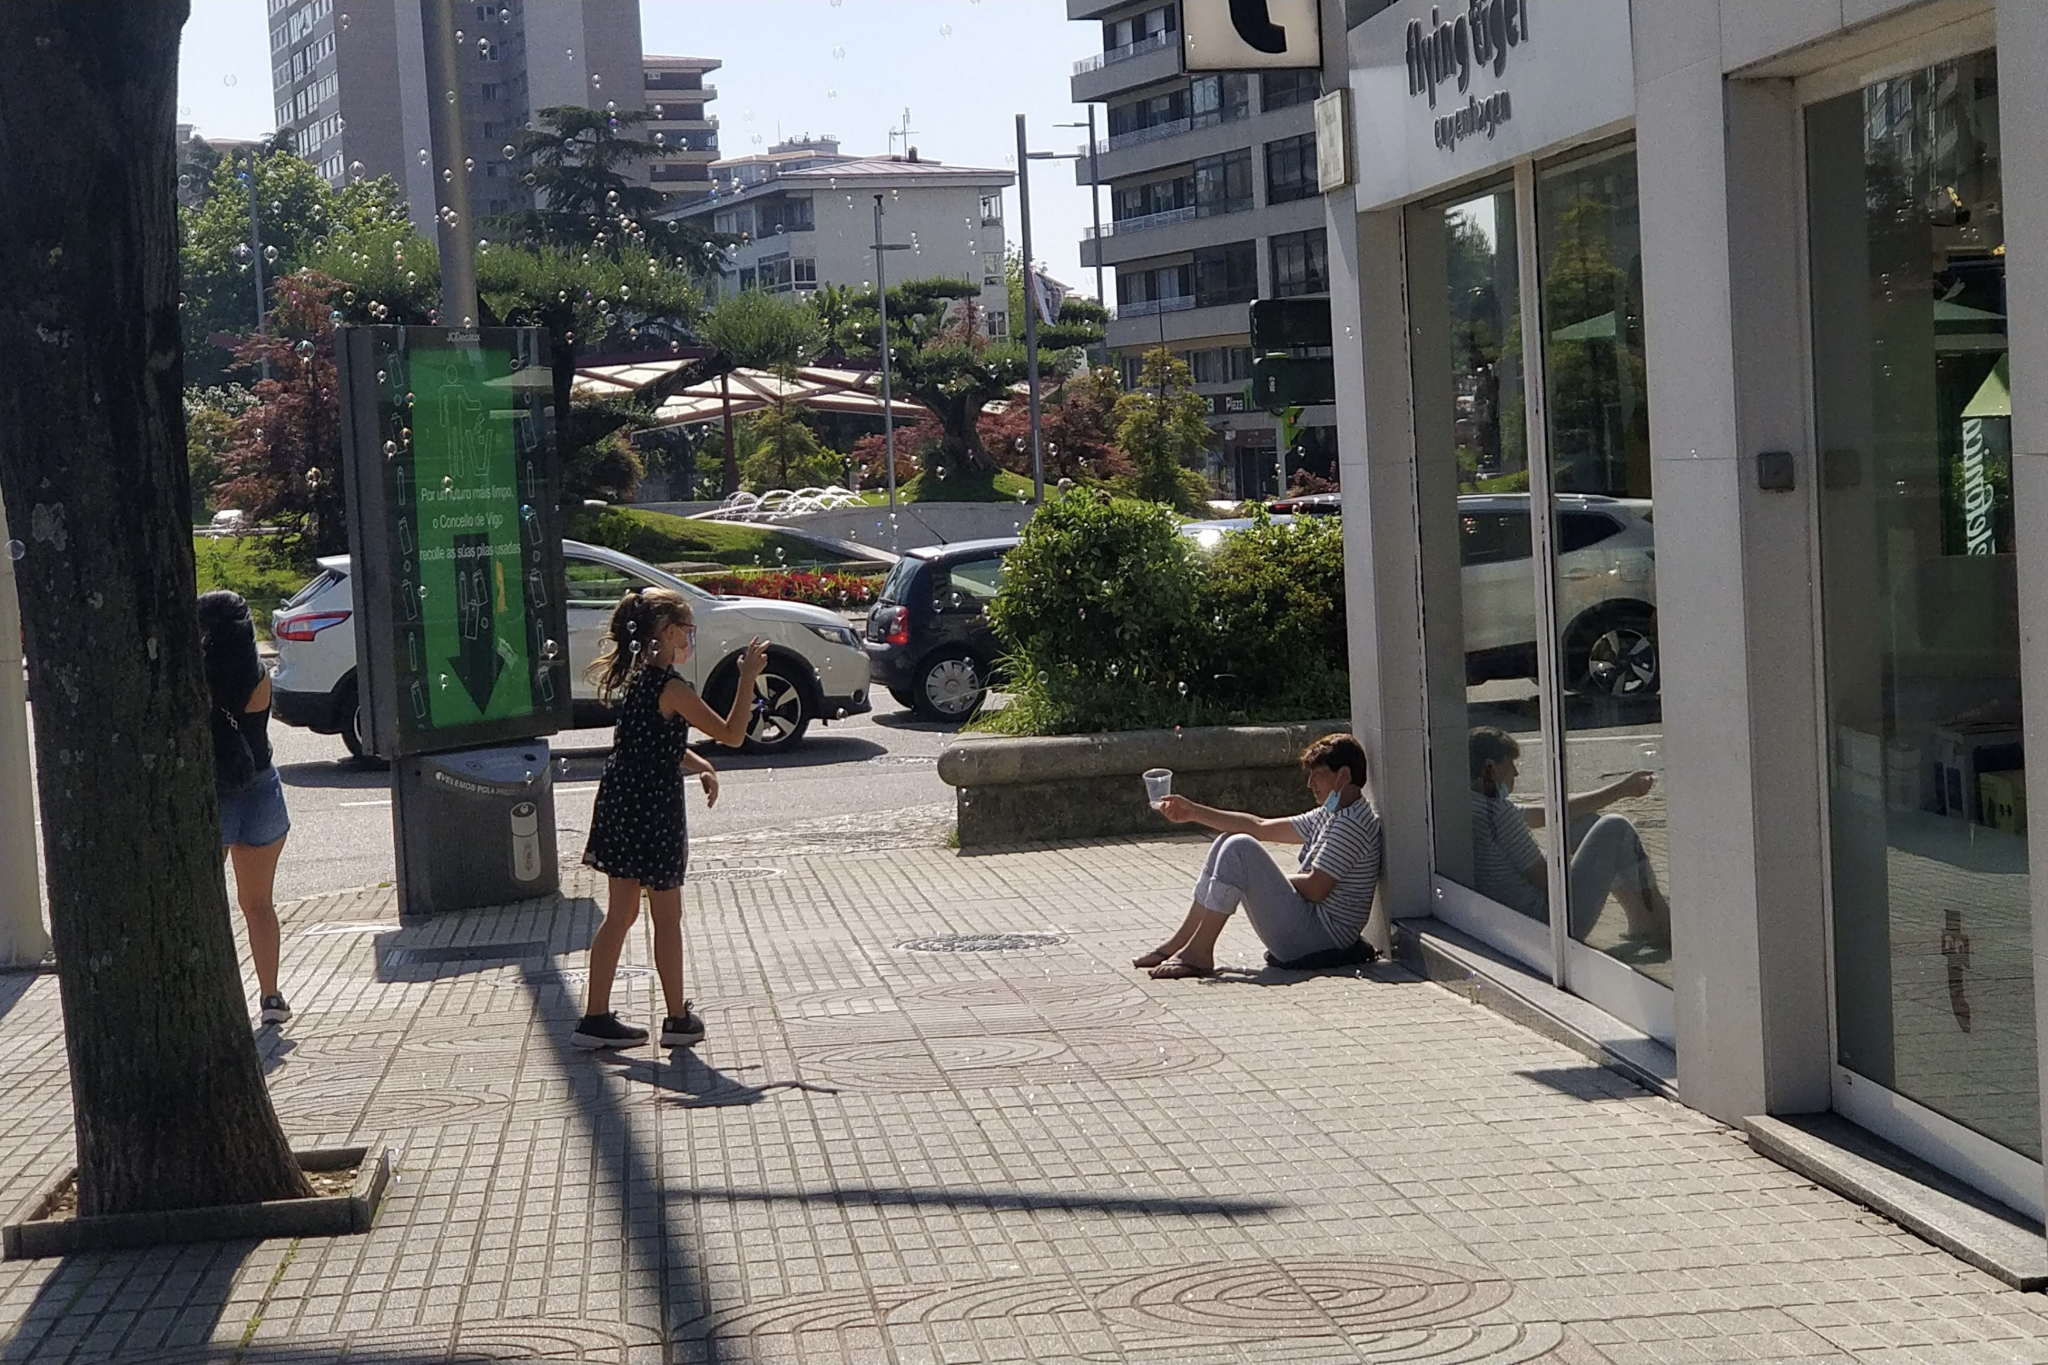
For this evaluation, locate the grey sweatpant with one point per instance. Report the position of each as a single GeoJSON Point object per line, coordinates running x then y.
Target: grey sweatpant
{"type": "Point", "coordinates": [1608, 850]}
{"type": "Point", "coordinates": [1241, 872]}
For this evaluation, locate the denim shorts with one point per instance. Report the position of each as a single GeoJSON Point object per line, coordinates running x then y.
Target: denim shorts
{"type": "Point", "coordinates": [255, 816]}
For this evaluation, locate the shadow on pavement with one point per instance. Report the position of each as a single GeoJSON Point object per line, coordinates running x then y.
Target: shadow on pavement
{"type": "Point", "coordinates": [695, 1084]}
{"type": "Point", "coordinates": [16, 984]}
{"type": "Point", "coordinates": [1587, 1082]}
{"type": "Point", "coordinates": [172, 1301]}
{"type": "Point", "coordinates": [887, 1196]}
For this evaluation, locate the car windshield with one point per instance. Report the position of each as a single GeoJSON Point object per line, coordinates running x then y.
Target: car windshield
{"type": "Point", "coordinates": [325, 579]}
{"type": "Point", "coordinates": [897, 588]}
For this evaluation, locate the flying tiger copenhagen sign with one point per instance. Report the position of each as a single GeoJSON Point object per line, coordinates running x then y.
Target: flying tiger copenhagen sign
{"type": "Point", "coordinates": [1442, 89]}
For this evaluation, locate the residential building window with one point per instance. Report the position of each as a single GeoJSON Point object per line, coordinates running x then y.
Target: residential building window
{"type": "Point", "coordinates": [1223, 184]}
{"type": "Point", "coordinates": [1222, 98]}
{"type": "Point", "coordinates": [493, 92]}
{"type": "Point", "coordinates": [1123, 33]}
{"type": "Point", "coordinates": [994, 269]}
{"type": "Point", "coordinates": [1153, 284]}
{"type": "Point", "coordinates": [991, 209]}
{"type": "Point", "coordinates": [1160, 196]}
{"type": "Point", "coordinates": [998, 325]}
{"type": "Point", "coordinates": [1301, 264]}
{"type": "Point", "coordinates": [1132, 365]}
{"type": "Point", "coordinates": [1283, 89]}
{"type": "Point", "coordinates": [486, 50]}
{"type": "Point", "coordinates": [1226, 274]}
{"type": "Point", "coordinates": [1221, 364]}
{"type": "Point", "coordinates": [749, 278]}
{"type": "Point", "coordinates": [787, 215]}
{"type": "Point", "coordinates": [1291, 169]}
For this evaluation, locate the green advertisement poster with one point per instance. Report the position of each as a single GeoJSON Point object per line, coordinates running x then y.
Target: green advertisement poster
{"type": "Point", "coordinates": [463, 550]}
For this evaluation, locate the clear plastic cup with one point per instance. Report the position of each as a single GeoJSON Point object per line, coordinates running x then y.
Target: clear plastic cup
{"type": "Point", "coordinates": [1649, 758]}
{"type": "Point", "coordinates": [1158, 785]}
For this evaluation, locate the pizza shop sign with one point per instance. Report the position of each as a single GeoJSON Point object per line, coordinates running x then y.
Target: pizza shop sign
{"type": "Point", "coordinates": [1449, 51]}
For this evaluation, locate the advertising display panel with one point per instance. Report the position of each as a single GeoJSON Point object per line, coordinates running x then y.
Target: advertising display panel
{"type": "Point", "coordinates": [456, 536]}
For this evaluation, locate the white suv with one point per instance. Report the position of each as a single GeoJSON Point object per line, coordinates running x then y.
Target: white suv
{"type": "Point", "coordinates": [1606, 591]}
{"type": "Point", "coordinates": [816, 668]}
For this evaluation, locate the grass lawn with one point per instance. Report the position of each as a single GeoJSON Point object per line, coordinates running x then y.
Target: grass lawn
{"type": "Point", "coordinates": [660, 538]}
{"type": "Point", "coordinates": [239, 565]}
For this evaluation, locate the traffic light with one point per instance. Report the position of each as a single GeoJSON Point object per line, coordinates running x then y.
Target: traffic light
{"type": "Point", "coordinates": [1280, 325]}
{"type": "Point", "coordinates": [1284, 375]}
{"type": "Point", "coordinates": [1280, 382]}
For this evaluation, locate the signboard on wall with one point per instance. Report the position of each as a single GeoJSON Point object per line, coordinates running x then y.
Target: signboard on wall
{"type": "Point", "coordinates": [1252, 35]}
{"type": "Point", "coordinates": [1442, 92]}
{"type": "Point", "coordinates": [454, 528]}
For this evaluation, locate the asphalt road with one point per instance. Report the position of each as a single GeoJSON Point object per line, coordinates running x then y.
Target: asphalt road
{"type": "Point", "coordinates": [879, 769]}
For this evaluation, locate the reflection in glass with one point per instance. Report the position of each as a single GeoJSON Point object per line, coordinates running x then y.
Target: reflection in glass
{"type": "Point", "coordinates": [1933, 968]}
{"type": "Point", "coordinates": [1590, 239]}
{"type": "Point", "coordinates": [1479, 585]}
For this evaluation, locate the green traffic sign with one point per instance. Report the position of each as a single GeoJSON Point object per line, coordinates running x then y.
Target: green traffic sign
{"type": "Point", "coordinates": [1282, 382]}
{"type": "Point", "coordinates": [453, 522]}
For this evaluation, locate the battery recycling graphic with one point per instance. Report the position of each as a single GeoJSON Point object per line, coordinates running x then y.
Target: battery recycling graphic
{"type": "Point", "coordinates": [470, 581]}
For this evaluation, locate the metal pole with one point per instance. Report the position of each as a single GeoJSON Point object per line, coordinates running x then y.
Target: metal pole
{"type": "Point", "coordinates": [445, 116]}
{"type": "Point", "coordinates": [1095, 202]}
{"type": "Point", "coordinates": [256, 256]}
{"type": "Point", "coordinates": [888, 400]}
{"type": "Point", "coordinates": [23, 940]}
{"type": "Point", "coordinates": [1030, 311]}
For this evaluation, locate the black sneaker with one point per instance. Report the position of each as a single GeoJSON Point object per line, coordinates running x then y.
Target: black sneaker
{"type": "Point", "coordinates": [605, 1030]}
{"type": "Point", "coordinates": [682, 1030]}
{"type": "Point", "coordinates": [276, 1009]}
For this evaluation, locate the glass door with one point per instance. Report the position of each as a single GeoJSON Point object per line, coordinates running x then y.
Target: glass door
{"type": "Point", "coordinates": [1603, 585]}
{"type": "Point", "coordinates": [1488, 749]}
{"type": "Point", "coordinates": [1933, 964]}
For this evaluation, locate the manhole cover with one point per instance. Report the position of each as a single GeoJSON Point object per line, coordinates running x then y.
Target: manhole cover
{"type": "Point", "coordinates": [465, 952]}
{"type": "Point", "coordinates": [570, 975]}
{"type": "Point", "coordinates": [984, 943]}
{"type": "Point", "coordinates": [736, 874]}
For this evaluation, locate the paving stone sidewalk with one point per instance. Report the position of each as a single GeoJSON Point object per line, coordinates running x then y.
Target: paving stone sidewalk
{"type": "Point", "coordinates": [935, 1157]}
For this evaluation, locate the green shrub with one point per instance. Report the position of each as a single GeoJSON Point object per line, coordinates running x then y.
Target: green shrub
{"type": "Point", "coordinates": [1115, 621]}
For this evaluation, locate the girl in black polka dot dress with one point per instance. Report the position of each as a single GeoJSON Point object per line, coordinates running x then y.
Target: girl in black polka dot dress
{"type": "Point", "coordinates": [638, 835]}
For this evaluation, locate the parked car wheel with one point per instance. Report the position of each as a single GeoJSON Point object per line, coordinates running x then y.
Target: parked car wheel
{"type": "Point", "coordinates": [951, 686]}
{"type": "Point", "coordinates": [349, 711]}
{"type": "Point", "coordinates": [1616, 656]}
{"type": "Point", "coordinates": [783, 705]}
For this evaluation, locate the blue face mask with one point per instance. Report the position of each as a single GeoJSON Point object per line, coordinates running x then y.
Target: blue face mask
{"type": "Point", "coordinates": [1331, 802]}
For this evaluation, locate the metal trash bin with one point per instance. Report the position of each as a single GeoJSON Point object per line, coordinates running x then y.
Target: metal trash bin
{"type": "Point", "coordinates": [483, 824]}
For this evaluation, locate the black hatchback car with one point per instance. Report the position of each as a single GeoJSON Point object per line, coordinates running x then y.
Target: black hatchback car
{"type": "Point", "coordinates": [929, 641]}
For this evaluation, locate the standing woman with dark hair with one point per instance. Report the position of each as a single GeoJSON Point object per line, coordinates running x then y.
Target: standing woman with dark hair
{"type": "Point", "coordinates": [253, 818]}
{"type": "Point", "coordinates": [639, 837]}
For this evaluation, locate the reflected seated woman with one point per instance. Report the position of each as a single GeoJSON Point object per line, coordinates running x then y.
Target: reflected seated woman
{"type": "Point", "coordinates": [1607, 855]}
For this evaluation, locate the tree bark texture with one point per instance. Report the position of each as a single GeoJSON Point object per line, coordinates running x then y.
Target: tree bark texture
{"type": "Point", "coordinates": [168, 1095]}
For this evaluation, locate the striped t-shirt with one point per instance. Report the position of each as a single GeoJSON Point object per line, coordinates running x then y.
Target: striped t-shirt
{"type": "Point", "coordinates": [1346, 844]}
{"type": "Point", "coordinates": [1503, 851]}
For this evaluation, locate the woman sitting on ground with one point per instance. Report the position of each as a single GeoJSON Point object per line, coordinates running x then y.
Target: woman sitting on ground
{"type": "Point", "coordinates": [1607, 855]}
{"type": "Point", "coordinates": [1317, 910]}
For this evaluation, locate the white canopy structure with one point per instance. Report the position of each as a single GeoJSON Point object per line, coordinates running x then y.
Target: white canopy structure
{"type": "Point", "coordinates": [826, 390]}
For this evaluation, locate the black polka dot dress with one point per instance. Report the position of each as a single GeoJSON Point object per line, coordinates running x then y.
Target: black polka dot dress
{"type": "Point", "coordinates": [638, 830]}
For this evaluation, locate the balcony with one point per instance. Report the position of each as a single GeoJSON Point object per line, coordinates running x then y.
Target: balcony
{"type": "Point", "coordinates": [1129, 51]}
{"type": "Point", "coordinates": [1147, 62]}
{"type": "Point", "coordinates": [1142, 326]}
{"type": "Point", "coordinates": [1093, 9]}
{"type": "Point", "coordinates": [1153, 307]}
{"type": "Point", "coordinates": [1122, 159]}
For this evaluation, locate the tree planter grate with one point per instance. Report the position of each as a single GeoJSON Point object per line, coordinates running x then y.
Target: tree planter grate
{"type": "Point", "coordinates": [984, 943]}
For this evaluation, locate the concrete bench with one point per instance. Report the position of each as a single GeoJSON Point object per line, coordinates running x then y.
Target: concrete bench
{"type": "Point", "coordinates": [1019, 791]}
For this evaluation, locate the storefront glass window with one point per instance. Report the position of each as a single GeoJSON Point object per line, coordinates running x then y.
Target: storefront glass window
{"type": "Point", "coordinates": [1590, 238]}
{"type": "Point", "coordinates": [1479, 586]}
{"type": "Point", "coordinates": [1934, 989]}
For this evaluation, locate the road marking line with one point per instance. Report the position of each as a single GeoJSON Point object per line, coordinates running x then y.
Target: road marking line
{"type": "Point", "coordinates": [359, 805]}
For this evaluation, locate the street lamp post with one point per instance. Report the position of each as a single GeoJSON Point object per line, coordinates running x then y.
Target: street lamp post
{"type": "Point", "coordinates": [1094, 197]}
{"type": "Point", "coordinates": [882, 249]}
{"type": "Point", "coordinates": [1030, 314]}
{"type": "Point", "coordinates": [446, 123]}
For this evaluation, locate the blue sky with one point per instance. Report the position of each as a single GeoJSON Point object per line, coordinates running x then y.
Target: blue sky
{"type": "Point", "coordinates": [964, 68]}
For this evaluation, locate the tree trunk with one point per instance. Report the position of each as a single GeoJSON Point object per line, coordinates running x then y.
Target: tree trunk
{"type": "Point", "coordinates": [168, 1097]}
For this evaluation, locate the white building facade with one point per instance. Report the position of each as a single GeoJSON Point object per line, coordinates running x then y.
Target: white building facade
{"type": "Point", "coordinates": [1692, 366]}
{"type": "Point", "coordinates": [814, 225]}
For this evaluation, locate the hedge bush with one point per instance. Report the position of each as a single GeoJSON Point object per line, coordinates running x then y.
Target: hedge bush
{"type": "Point", "coordinates": [1114, 620]}
{"type": "Point", "coordinates": [836, 591]}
